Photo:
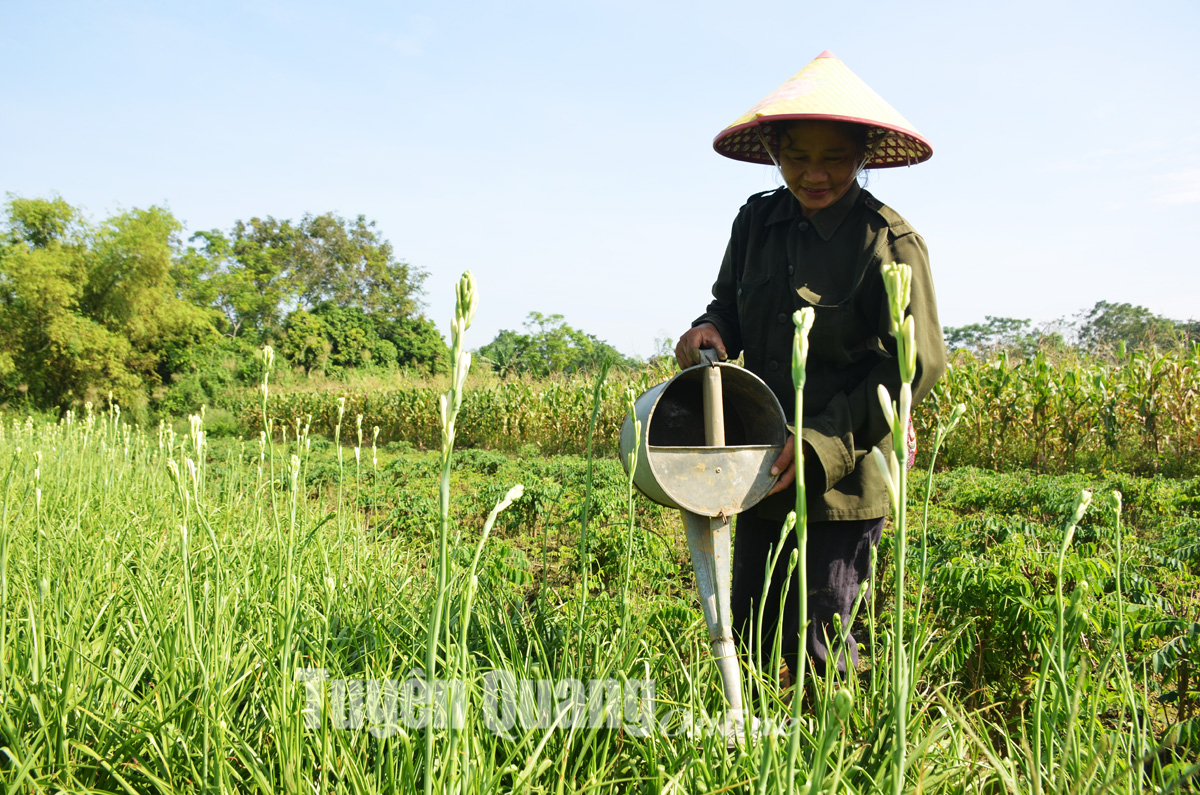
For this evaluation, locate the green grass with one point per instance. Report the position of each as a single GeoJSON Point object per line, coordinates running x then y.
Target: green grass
{"type": "Point", "coordinates": [162, 594]}
{"type": "Point", "coordinates": [149, 640]}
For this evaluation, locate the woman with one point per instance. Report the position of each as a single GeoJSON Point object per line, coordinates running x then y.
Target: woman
{"type": "Point", "coordinates": [821, 242]}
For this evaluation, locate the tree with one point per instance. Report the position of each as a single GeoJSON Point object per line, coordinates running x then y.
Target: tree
{"type": "Point", "coordinates": [549, 345]}
{"type": "Point", "coordinates": [349, 264]}
{"type": "Point", "coordinates": [41, 222]}
{"type": "Point", "coordinates": [266, 268]}
{"type": "Point", "coordinates": [509, 353]}
{"type": "Point", "coordinates": [993, 334]}
{"type": "Point", "coordinates": [349, 337]}
{"type": "Point", "coordinates": [247, 275]}
{"type": "Point", "coordinates": [1106, 325]}
{"type": "Point", "coordinates": [86, 309]}
{"type": "Point", "coordinates": [418, 344]}
{"type": "Point", "coordinates": [306, 341]}
{"type": "Point", "coordinates": [49, 349]}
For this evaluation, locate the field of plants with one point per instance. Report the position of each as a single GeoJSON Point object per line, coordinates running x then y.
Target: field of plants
{"type": "Point", "coordinates": [184, 612]}
{"type": "Point", "coordinates": [1133, 412]}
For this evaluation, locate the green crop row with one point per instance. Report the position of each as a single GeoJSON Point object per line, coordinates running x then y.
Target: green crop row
{"type": "Point", "coordinates": [1139, 414]}
{"type": "Point", "coordinates": [505, 416]}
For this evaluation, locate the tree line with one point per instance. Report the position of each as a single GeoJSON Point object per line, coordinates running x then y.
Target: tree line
{"type": "Point", "coordinates": [1105, 328]}
{"type": "Point", "coordinates": [127, 306]}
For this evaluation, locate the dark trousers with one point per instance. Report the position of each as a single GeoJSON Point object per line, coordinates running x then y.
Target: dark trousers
{"type": "Point", "coordinates": [839, 557]}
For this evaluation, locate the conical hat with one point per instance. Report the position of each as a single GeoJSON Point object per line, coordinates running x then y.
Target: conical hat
{"type": "Point", "coordinates": [827, 90]}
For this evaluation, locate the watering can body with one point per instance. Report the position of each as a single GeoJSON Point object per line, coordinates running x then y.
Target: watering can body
{"type": "Point", "coordinates": [676, 468]}
{"type": "Point", "coordinates": [708, 439]}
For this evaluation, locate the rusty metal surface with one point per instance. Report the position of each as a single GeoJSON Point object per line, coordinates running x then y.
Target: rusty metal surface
{"type": "Point", "coordinates": [715, 480]}
{"type": "Point", "coordinates": [714, 408]}
{"type": "Point", "coordinates": [675, 468]}
{"type": "Point", "coordinates": [709, 543]}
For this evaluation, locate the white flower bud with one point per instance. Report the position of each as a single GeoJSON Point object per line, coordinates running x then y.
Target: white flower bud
{"type": "Point", "coordinates": [884, 465]}
{"type": "Point", "coordinates": [885, 403]}
{"type": "Point", "coordinates": [803, 321]}
{"type": "Point", "coordinates": [191, 468]}
{"type": "Point", "coordinates": [908, 332]}
{"type": "Point", "coordinates": [897, 279]}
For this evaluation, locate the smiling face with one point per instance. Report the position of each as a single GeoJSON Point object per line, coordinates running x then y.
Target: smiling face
{"type": "Point", "coordinates": [819, 160]}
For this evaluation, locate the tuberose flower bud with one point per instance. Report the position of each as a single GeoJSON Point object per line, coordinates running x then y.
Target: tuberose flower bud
{"type": "Point", "coordinates": [885, 403]}
{"type": "Point", "coordinates": [842, 703]}
{"type": "Point", "coordinates": [908, 332]}
{"type": "Point", "coordinates": [466, 299]}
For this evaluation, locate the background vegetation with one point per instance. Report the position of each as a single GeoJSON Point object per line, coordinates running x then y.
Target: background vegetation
{"type": "Point", "coordinates": [1073, 412]}
{"type": "Point", "coordinates": [127, 308]}
{"type": "Point", "coordinates": [160, 590]}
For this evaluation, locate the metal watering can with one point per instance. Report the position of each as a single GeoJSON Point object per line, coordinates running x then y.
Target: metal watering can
{"type": "Point", "coordinates": [709, 437]}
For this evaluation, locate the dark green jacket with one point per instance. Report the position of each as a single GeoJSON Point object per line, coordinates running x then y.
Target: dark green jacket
{"type": "Point", "coordinates": [777, 262]}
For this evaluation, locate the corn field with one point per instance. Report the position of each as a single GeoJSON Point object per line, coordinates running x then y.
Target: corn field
{"type": "Point", "coordinates": [504, 416]}
{"type": "Point", "coordinates": [1140, 413]}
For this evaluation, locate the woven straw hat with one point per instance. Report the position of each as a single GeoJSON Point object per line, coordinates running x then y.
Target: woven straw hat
{"type": "Point", "coordinates": [825, 90]}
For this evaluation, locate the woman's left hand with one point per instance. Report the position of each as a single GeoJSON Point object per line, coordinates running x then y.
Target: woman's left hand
{"type": "Point", "coordinates": [786, 464]}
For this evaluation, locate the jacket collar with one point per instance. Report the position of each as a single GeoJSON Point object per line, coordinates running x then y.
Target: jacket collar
{"type": "Point", "coordinates": [825, 221]}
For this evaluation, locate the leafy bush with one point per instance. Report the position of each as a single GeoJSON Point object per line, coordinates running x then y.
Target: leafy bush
{"type": "Point", "coordinates": [220, 422]}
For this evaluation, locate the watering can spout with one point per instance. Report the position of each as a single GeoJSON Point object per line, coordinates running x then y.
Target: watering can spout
{"type": "Point", "coordinates": [710, 436]}
{"type": "Point", "coordinates": [709, 544]}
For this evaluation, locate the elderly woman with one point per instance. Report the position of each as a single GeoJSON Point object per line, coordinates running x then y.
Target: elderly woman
{"type": "Point", "coordinates": [818, 242]}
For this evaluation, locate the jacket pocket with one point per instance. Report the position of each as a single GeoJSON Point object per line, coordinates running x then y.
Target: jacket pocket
{"type": "Point", "coordinates": [758, 304]}
{"type": "Point", "coordinates": [834, 329]}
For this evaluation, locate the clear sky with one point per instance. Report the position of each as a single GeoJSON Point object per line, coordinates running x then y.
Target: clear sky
{"type": "Point", "coordinates": [562, 150]}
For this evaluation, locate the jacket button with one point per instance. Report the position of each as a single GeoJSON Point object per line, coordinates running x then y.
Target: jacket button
{"type": "Point", "coordinates": [802, 226]}
{"type": "Point", "coordinates": [739, 291]}
{"type": "Point", "coordinates": [791, 270]}
{"type": "Point", "coordinates": [772, 365]}
{"type": "Point", "coordinates": [782, 317]}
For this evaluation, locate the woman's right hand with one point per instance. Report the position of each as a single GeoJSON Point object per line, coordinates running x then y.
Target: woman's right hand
{"type": "Point", "coordinates": [705, 335]}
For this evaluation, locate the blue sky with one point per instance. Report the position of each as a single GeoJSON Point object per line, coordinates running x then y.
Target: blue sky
{"type": "Point", "coordinates": [562, 151]}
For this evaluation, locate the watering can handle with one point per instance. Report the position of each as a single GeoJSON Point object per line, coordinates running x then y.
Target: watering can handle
{"type": "Point", "coordinates": [709, 355]}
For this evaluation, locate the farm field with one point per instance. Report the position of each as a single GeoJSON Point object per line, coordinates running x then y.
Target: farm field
{"type": "Point", "coordinates": [307, 612]}
{"type": "Point", "coordinates": [1053, 413]}
{"type": "Point", "coordinates": [161, 592]}
{"type": "Point", "coordinates": [279, 515]}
